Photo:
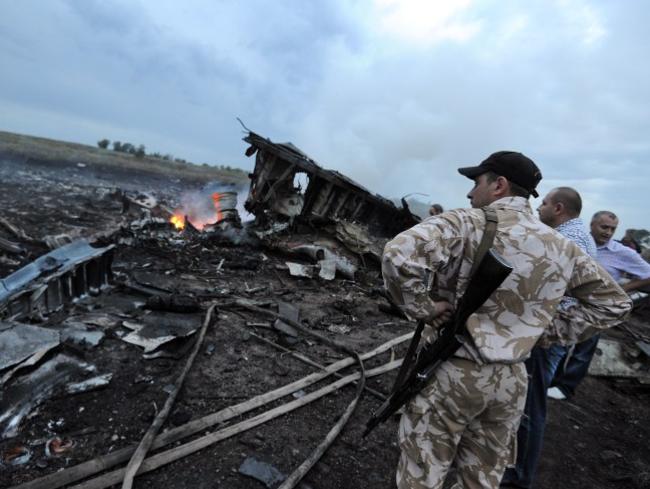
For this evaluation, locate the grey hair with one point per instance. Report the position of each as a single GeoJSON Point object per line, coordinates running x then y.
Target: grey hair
{"type": "Point", "coordinates": [600, 214]}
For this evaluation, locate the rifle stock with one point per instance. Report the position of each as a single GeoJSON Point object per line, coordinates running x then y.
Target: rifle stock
{"type": "Point", "coordinates": [489, 275]}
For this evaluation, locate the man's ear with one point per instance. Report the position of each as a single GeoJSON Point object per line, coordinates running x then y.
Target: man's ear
{"type": "Point", "coordinates": [558, 208]}
{"type": "Point", "coordinates": [502, 186]}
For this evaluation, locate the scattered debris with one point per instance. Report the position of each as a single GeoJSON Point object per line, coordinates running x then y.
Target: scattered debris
{"type": "Point", "coordinates": [147, 441]}
{"type": "Point", "coordinates": [143, 199]}
{"type": "Point", "coordinates": [173, 303]}
{"type": "Point", "coordinates": [300, 270]}
{"type": "Point", "coordinates": [10, 246]}
{"type": "Point", "coordinates": [329, 260]}
{"type": "Point", "coordinates": [57, 241]}
{"type": "Point", "coordinates": [59, 479]}
{"type": "Point", "coordinates": [261, 471]}
{"type": "Point", "coordinates": [26, 393]}
{"type": "Point", "coordinates": [16, 455]}
{"type": "Point", "coordinates": [54, 447]}
{"type": "Point", "coordinates": [287, 310]}
{"type": "Point", "coordinates": [339, 328]}
{"type": "Point", "coordinates": [80, 334]}
{"type": "Point", "coordinates": [55, 279]}
{"type": "Point", "coordinates": [156, 329]}
{"type": "Point", "coordinates": [162, 276]}
{"type": "Point", "coordinates": [611, 360]}
{"type": "Point", "coordinates": [17, 232]}
{"type": "Point", "coordinates": [327, 269]}
{"type": "Point", "coordinates": [89, 384]}
{"type": "Point", "coordinates": [19, 342]}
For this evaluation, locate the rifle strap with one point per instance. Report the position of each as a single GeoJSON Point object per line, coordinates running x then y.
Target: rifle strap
{"type": "Point", "coordinates": [491, 221]}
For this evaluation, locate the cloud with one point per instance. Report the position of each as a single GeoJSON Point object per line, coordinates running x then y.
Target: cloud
{"type": "Point", "coordinates": [396, 95]}
{"type": "Point", "coordinates": [425, 23]}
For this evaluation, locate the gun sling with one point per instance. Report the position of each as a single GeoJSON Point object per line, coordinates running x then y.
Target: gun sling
{"type": "Point", "coordinates": [417, 368]}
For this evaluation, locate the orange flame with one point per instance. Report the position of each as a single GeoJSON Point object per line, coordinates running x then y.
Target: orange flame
{"type": "Point", "coordinates": [178, 221]}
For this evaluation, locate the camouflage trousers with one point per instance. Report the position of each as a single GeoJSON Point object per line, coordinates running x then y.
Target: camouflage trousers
{"type": "Point", "coordinates": [467, 416]}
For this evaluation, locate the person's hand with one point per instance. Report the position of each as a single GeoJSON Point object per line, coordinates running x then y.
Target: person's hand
{"type": "Point", "coordinates": [443, 312]}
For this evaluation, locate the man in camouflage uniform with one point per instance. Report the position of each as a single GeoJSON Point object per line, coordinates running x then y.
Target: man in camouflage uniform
{"type": "Point", "coordinates": [469, 412]}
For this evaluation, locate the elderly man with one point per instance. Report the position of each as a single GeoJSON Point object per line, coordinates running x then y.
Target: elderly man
{"type": "Point", "coordinates": [625, 266]}
{"type": "Point", "coordinates": [469, 412]}
{"type": "Point", "coordinates": [560, 209]}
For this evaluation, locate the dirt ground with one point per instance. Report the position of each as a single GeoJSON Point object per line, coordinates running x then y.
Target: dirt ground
{"type": "Point", "coordinates": [597, 440]}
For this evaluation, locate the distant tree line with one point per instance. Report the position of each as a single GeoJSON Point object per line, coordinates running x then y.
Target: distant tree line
{"type": "Point", "coordinates": [140, 152]}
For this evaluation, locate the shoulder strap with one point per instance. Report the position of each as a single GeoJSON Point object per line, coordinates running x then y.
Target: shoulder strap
{"type": "Point", "coordinates": [491, 221]}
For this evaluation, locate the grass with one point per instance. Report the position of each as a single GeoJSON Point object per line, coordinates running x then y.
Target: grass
{"type": "Point", "coordinates": [54, 151]}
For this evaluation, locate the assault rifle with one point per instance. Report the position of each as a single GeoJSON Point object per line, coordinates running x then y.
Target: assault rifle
{"type": "Point", "coordinates": [489, 275]}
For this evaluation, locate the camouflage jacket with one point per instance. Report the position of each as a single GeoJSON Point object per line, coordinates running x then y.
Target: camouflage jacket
{"type": "Point", "coordinates": [434, 258]}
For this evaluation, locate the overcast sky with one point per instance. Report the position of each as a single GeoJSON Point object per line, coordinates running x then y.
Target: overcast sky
{"type": "Point", "coordinates": [394, 94]}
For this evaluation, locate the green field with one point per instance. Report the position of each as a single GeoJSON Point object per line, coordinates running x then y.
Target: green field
{"type": "Point", "coordinates": [53, 151]}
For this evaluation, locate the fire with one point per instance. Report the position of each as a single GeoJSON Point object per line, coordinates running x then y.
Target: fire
{"type": "Point", "coordinates": [203, 210]}
{"type": "Point", "coordinates": [178, 221]}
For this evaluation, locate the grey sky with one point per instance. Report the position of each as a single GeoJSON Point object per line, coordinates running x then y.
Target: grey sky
{"type": "Point", "coordinates": [396, 95]}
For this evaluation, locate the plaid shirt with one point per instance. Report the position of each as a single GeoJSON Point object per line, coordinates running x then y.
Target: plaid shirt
{"type": "Point", "coordinates": [576, 231]}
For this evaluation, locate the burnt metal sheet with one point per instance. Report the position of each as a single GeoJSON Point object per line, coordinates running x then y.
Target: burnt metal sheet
{"type": "Point", "coordinates": [269, 475]}
{"type": "Point", "coordinates": [61, 374]}
{"type": "Point", "coordinates": [610, 360]}
{"type": "Point", "coordinates": [55, 279]}
{"type": "Point", "coordinates": [326, 253]}
{"type": "Point", "coordinates": [81, 334]}
{"type": "Point", "coordinates": [20, 341]}
{"type": "Point", "coordinates": [328, 195]}
{"type": "Point", "coordinates": [300, 270]}
{"type": "Point", "coordinates": [156, 329]}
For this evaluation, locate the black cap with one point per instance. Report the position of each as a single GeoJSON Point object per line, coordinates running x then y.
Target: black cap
{"type": "Point", "coordinates": [514, 166]}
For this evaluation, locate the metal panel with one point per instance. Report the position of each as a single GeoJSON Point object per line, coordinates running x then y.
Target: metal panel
{"type": "Point", "coordinates": [55, 279]}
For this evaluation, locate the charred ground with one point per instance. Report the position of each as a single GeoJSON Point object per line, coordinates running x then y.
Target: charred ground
{"type": "Point", "coordinates": [597, 440]}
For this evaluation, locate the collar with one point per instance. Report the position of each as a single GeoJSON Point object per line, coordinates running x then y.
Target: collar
{"type": "Point", "coordinates": [610, 245]}
{"type": "Point", "coordinates": [571, 223]}
{"type": "Point", "coordinates": [518, 204]}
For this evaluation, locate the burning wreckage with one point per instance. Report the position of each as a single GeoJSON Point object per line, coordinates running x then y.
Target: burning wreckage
{"type": "Point", "coordinates": [196, 317]}
{"type": "Point", "coordinates": [114, 311]}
